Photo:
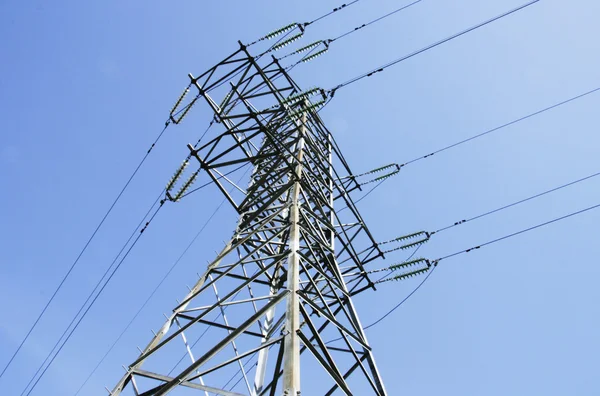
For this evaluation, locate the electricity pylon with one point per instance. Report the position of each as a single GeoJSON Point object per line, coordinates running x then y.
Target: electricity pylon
{"type": "Point", "coordinates": [283, 284]}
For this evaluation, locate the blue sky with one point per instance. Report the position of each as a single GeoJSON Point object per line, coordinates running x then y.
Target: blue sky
{"type": "Point", "coordinates": [86, 86]}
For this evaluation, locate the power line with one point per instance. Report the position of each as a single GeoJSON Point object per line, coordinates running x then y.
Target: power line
{"type": "Point", "coordinates": [239, 370]}
{"type": "Point", "coordinates": [302, 26]}
{"type": "Point", "coordinates": [388, 313]}
{"type": "Point", "coordinates": [164, 277]}
{"type": "Point", "coordinates": [364, 196]}
{"type": "Point", "coordinates": [405, 260]}
{"type": "Point", "coordinates": [336, 9]}
{"type": "Point", "coordinates": [68, 273]}
{"type": "Point", "coordinates": [56, 345]}
{"type": "Point", "coordinates": [382, 68]}
{"type": "Point", "coordinates": [556, 105]}
{"type": "Point", "coordinates": [327, 42]}
{"type": "Point", "coordinates": [114, 261]}
{"type": "Point", "coordinates": [364, 25]}
{"type": "Point", "coordinates": [160, 283]}
{"type": "Point", "coordinates": [316, 45]}
{"type": "Point", "coordinates": [487, 243]}
{"type": "Point", "coordinates": [504, 207]}
{"type": "Point", "coordinates": [460, 222]}
{"type": "Point", "coordinates": [93, 301]}
{"type": "Point", "coordinates": [520, 232]}
{"type": "Point", "coordinates": [486, 133]}
{"type": "Point", "coordinates": [516, 203]}
{"type": "Point", "coordinates": [401, 302]}
{"type": "Point", "coordinates": [467, 251]}
{"type": "Point", "coordinates": [503, 126]}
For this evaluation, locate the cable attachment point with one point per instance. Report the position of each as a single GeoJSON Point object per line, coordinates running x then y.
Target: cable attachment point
{"type": "Point", "coordinates": [174, 113]}
{"type": "Point", "coordinates": [295, 99]}
{"type": "Point", "coordinates": [177, 175]}
{"type": "Point", "coordinates": [422, 265]}
{"type": "Point", "coordinates": [177, 116]}
{"type": "Point", "coordinates": [409, 263]}
{"type": "Point", "coordinates": [392, 169]}
{"type": "Point", "coordinates": [308, 58]}
{"type": "Point", "coordinates": [297, 113]}
{"type": "Point", "coordinates": [405, 275]}
{"type": "Point", "coordinates": [421, 238]}
{"type": "Point", "coordinates": [340, 7]}
{"type": "Point", "coordinates": [395, 171]}
{"type": "Point", "coordinates": [286, 42]}
{"type": "Point", "coordinates": [183, 95]}
{"type": "Point", "coordinates": [308, 47]}
{"type": "Point", "coordinates": [278, 32]}
{"type": "Point", "coordinates": [186, 186]}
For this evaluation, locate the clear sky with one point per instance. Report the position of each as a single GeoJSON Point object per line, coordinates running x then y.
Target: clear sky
{"type": "Point", "coordinates": [86, 86]}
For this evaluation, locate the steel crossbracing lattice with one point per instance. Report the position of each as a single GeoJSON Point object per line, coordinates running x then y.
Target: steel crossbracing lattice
{"type": "Point", "coordinates": [283, 284]}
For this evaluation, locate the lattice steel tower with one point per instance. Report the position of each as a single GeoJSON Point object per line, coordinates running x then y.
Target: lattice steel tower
{"type": "Point", "coordinates": [283, 284]}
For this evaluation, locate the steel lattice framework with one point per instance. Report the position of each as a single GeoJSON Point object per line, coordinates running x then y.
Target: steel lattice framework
{"type": "Point", "coordinates": [283, 284]}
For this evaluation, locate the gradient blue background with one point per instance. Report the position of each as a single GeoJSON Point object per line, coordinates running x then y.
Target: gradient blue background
{"type": "Point", "coordinates": [86, 86]}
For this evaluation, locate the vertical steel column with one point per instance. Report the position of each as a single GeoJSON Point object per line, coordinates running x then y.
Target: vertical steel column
{"type": "Point", "coordinates": [291, 357]}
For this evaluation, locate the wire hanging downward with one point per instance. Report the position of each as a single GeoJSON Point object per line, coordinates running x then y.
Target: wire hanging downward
{"type": "Point", "coordinates": [435, 262]}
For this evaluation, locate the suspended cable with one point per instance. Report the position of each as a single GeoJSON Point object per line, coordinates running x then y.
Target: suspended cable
{"type": "Point", "coordinates": [469, 250]}
{"type": "Point", "coordinates": [336, 9]}
{"type": "Point", "coordinates": [141, 232]}
{"type": "Point", "coordinates": [311, 48]}
{"type": "Point", "coordinates": [256, 58]}
{"type": "Point", "coordinates": [483, 134]}
{"type": "Point", "coordinates": [68, 273]}
{"type": "Point", "coordinates": [364, 196]}
{"type": "Point", "coordinates": [56, 345]}
{"type": "Point", "coordinates": [144, 304]}
{"type": "Point", "coordinates": [487, 243]}
{"type": "Point", "coordinates": [382, 68]}
{"type": "Point", "coordinates": [516, 203]}
{"type": "Point", "coordinates": [401, 302]}
{"type": "Point", "coordinates": [520, 232]}
{"type": "Point", "coordinates": [160, 283]}
{"type": "Point", "coordinates": [423, 236]}
{"type": "Point", "coordinates": [564, 102]}
{"type": "Point", "coordinates": [292, 26]}
{"type": "Point", "coordinates": [364, 25]}
{"type": "Point", "coordinates": [503, 126]}
{"type": "Point", "coordinates": [486, 133]}
{"type": "Point", "coordinates": [99, 283]}
{"type": "Point", "coordinates": [407, 259]}
{"type": "Point", "coordinates": [325, 43]}
{"type": "Point", "coordinates": [239, 371]}
{"type": "Point", "coordinates": [475, 248]}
